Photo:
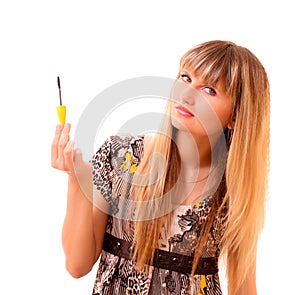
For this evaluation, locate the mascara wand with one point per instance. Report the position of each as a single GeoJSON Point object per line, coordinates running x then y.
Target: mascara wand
{"type": "Point", "coordinates": [61, 110]}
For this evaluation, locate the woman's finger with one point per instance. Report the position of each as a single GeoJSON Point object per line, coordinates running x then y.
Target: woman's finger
{"type": "Point", "coordinates": [69, 157]}
{"type": "Point", "coordinates": [63, 140]}
{"type": "Point", "coordinates": [54, 145]}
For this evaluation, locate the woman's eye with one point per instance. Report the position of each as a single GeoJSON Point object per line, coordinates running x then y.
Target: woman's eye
{"type": "Point", "coordinates": [185, 78]}
{"type": "Point", "coordinates": [210, 91]}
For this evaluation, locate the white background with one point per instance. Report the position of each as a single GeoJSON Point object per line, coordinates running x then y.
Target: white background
{"type": "Point", "coordinates": [92, 45]}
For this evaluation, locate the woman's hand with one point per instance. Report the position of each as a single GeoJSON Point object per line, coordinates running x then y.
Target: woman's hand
{"type": "Point", "coordinates": [62, 150]}
{"type": "Point", "coordinates": [65, 158]}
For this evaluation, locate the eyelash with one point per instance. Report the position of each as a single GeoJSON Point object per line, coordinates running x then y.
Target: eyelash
{"type": "Point", "coordinates": [207, 89]}
{"type": "Point", "coordinates": [183, 76]}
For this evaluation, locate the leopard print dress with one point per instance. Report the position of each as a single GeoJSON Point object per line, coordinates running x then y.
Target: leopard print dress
{"type": "Point", "coordinates": [114, 165]}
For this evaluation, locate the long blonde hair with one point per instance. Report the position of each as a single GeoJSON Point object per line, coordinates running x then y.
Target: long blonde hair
{"type": "Point", "coordinates": [244, 184]}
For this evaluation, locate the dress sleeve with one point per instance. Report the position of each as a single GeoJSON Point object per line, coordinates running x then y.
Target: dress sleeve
{"type": "Point", "coordinates": [102, 170]}
{"type": "Point", "coordinates": [114, 166]}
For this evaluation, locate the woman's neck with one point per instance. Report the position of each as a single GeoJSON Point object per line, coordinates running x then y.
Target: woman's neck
{"type": "Point", "coordinates": [194, 153]}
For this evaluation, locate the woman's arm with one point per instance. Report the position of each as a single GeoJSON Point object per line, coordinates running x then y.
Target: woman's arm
{"type": "Point", "coordinates": [248, 287]}
{"type": "Point", "coordinates": [83, 232]}
{"type": "Point", "coordinates": [84, 225]}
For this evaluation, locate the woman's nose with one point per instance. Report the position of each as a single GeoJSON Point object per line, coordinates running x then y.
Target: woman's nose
{"type": "Point", "coordinates": [188, 95]}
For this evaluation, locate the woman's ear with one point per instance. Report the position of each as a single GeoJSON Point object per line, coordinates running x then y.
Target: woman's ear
{"type": "Point", "coordinates": [231, 123]}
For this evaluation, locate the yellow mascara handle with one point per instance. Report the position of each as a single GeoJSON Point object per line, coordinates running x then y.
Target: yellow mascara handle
{"type": "Point", "coordinates": [61, 113]}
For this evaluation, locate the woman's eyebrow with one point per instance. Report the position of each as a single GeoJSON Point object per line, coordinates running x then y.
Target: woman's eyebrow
{"type": "Point", "coordinates": [184, 71]}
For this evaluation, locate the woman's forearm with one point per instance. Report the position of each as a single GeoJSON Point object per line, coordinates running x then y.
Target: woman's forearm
{"type": "Point", "coordinates": [78, 239]}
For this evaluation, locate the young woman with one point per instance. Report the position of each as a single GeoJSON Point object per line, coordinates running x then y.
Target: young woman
{"type": "Point", "coordinates": [162, 223]}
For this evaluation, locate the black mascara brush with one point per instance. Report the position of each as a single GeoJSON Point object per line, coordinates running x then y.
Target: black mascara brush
{"type": "Point", "coordinates": [58, 84]}
{"type": "Point", "coordinates": [61, 110]}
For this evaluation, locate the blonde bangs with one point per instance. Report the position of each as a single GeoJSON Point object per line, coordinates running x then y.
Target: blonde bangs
{"type": "Point", "coordinates": [209, 63]}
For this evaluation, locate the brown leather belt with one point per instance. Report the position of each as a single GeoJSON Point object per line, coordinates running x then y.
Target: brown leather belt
{"type": "Point", "coordinates": [162, 259]}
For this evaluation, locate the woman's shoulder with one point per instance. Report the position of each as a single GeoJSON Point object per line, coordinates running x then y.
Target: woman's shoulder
{"type": "Point", "coordinates": [120, 145]}
{"type": "Point", "coordinates": [115, 143]}
{"type": "Point", "coordinates": [126, 140]}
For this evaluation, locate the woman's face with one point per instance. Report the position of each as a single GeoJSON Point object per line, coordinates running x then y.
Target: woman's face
{"type": "Point", "coordinates": [198, 107]}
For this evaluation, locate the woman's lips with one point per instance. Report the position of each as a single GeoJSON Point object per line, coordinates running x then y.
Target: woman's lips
{"type": "Point", "coordinates": [183, 111]}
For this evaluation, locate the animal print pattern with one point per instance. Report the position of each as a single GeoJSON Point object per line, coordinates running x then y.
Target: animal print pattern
{"type": "Point", "coordinates": [114, 166]}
